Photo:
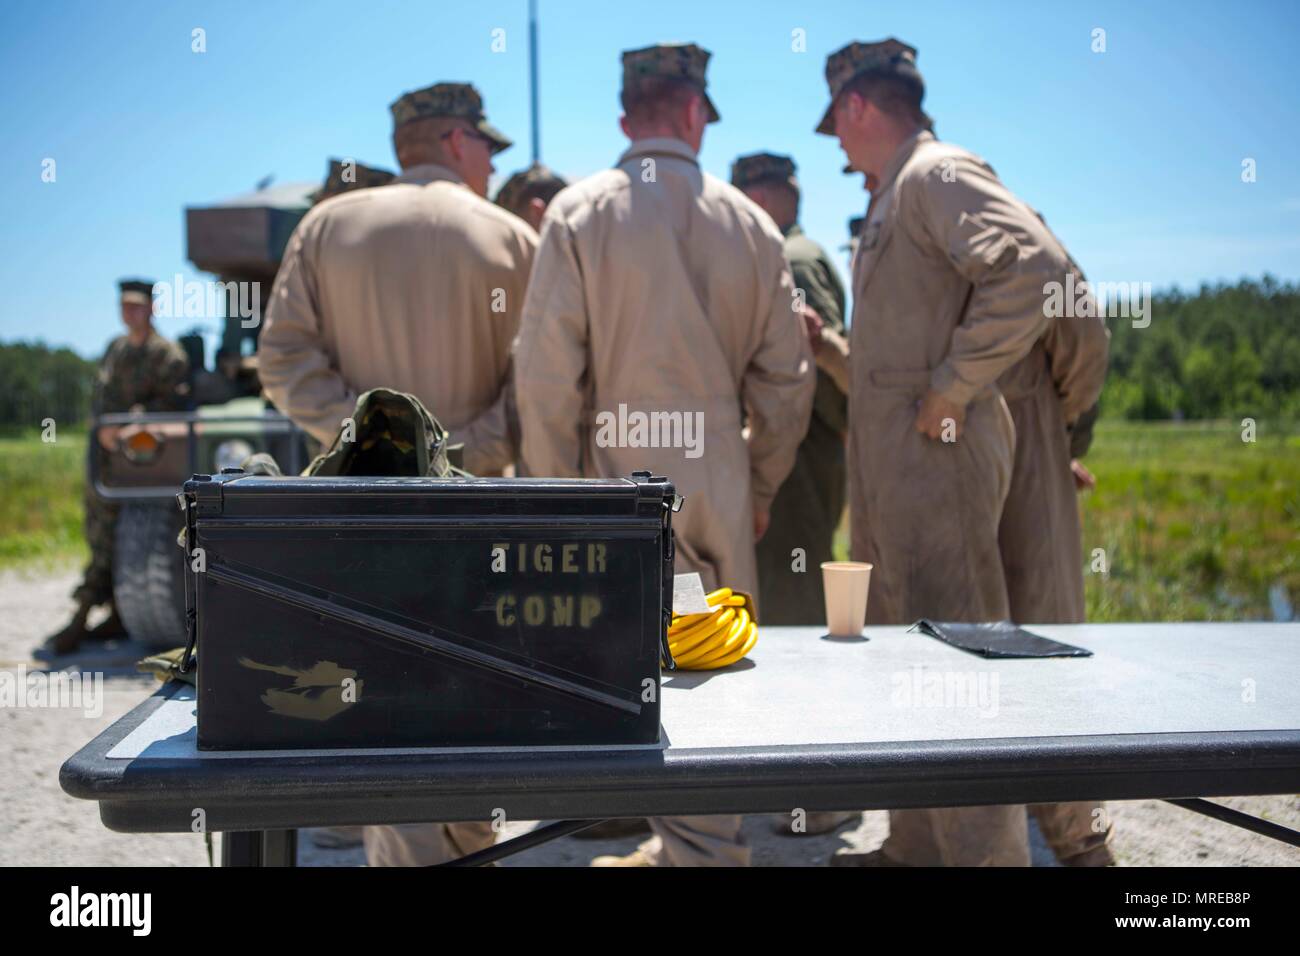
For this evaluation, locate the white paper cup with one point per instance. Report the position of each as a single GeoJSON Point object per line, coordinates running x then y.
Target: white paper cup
{"type": "Point", "coordinates": [846, 584]}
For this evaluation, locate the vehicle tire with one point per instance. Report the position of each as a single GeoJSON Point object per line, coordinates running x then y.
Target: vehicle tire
{"type": "Point", "coordinates": [148, 573]}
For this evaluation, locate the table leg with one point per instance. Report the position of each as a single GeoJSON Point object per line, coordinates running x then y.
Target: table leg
{"type": "Point", "coordinates": [259, 848]}
{"type": "Point", "coordinates": [499, 851]}
{"type": "Point", "coordinates": [1218, 811]}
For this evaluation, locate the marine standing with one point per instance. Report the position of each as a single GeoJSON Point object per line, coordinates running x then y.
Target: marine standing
{"type": "Point", "coordinates": [661, 289]}
{"type": "Point", "coordinates": [141, 372]}
{"type": "Point", "coordinates": [415, 286]}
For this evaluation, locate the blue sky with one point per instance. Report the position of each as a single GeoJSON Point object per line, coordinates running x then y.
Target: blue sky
{"type": "Point", "coordinates": [1133, 155]}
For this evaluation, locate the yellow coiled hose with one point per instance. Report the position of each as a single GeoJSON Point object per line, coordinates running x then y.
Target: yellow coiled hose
{"type": "Point", "coordinates": [705, 642]}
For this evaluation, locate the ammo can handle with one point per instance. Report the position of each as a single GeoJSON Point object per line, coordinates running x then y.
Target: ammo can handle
{"type": "Point", "coordinates": [189, 505]}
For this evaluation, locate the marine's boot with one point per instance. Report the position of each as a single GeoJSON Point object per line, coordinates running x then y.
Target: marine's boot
{"type": "Point", "coordinates": [1097, 856]}
{"type": "Point", "coordinates": [873, 858]}
{"type": "Point", "coordinates": [69, 639]}
{"type": "Point", "coordinates": [817, 823]}
{"type": "Point", "coordinates": [638, 857]}
{"type": "Point", "coordinates": [109, 629]}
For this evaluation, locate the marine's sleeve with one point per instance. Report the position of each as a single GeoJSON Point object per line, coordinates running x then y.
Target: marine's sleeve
{"type": "Point", "coordinates": [293, 363]}
{"type": "Point", "coordinates": [550, 357]}
{"type": "Point", "coordinates": [777, 386]}
{"type": "Point", "coordinates": [833, 362]}
{"type": "Point", "coordinates": [1081, 432]}
{"type": "Point", "coordinates": [989, 237]}
{"type": "Point", "coordinates": [492, 439]}
{"type": "Point", "coordinates": [1077, 349]}
{"type": "Point", "coordinates": [824, 292]}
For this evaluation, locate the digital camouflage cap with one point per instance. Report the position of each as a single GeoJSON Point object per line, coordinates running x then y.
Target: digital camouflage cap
{"type": "Point", "coordinates": [537, 180]}
{"type": "Point", "coordinates": [457, 100]}
{"type": "Point", "coordinates": [682, 61]}
{"type": "Point", "coordinates": [345, 175]}
{"type": "Point", "coordinates": [762, 167]}
{"type": "Point", "coordinates": [890, 57]}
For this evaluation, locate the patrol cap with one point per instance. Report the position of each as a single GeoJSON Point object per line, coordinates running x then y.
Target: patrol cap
{"type": "Point", "coordinates": [683, 61]}
{"type": "Point", "coordinates": [345, 175]}
{"type": "Point", "coordinates": [761, 167]}
{"type": "Point", "coordinates": [459, 100]}
{"type": "Point", "coordinates": [139, 291]}
{"type": "Point", "coordinates": [890, 57]}
{"type": "Point", "coordinates": [537, 180]}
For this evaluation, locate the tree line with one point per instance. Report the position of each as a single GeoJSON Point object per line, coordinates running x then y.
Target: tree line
{"type": "Point", "coordinates": [1226, 351]}
{"type": "Point", "coordinates": [38, 382]}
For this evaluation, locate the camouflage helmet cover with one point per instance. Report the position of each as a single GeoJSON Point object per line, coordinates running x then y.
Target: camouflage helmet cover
{"type": "Point", "coordinates": [459, 100]}
{"type": "Point", "coordinates": [890, 57]}
{"type": "Point", "coordinates": [684, 61]}
{"type": "Point", "coordinates": [537, 179]}
{"type": "Point", "coordinates": [761, 167]}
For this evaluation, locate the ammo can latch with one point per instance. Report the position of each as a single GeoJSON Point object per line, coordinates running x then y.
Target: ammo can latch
{"type": "Point", "coordinates": [672, 503]}
{"type": "Point", "coordinates": [200, 495]}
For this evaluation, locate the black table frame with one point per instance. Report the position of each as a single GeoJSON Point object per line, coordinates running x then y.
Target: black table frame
{"type": "Point", "coordinates": [259, 803]}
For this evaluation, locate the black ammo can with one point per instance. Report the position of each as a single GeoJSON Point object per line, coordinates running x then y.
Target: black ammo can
{"type": "Point", "coordinates": [423, 612]}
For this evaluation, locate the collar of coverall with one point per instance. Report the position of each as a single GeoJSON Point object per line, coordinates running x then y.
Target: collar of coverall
{"type": "Point", "coordinates": [427, 173]}
{"type": "Point", "coordinates": [901, 155]}
{"type": "Point", "coordinates": [792, 230]}
{"type": "Point", "coordinates": [660, 145]}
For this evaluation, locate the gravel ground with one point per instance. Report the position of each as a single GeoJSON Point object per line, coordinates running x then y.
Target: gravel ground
{"type": "Point", "coordinates": [39, 824]}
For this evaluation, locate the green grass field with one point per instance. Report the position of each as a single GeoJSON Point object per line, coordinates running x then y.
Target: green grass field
{"type": "Point", "coordinates": [40, 498]}
{"type": "Point", "coordinates": [1196, 524]}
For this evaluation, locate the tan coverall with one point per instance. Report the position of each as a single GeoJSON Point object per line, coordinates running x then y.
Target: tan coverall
{"type": "Point", "coordinates": [1040, 536]}
{"type": "Point", "coordinates": [415, 286]}
{"type": "Point", "coordinates": [948, 294]}
{"type": "Point", "coordinates": [664, 289]}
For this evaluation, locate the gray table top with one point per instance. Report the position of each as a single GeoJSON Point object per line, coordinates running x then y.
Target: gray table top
{"type": "Point", "coordinates": [801, 688]}
{"type": "Point", "coordinates": [804, 688]}
{"type": "Point", "coordinates": [897, 719]}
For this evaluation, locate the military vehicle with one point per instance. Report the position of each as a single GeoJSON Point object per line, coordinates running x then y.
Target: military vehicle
{"type": "Point", "coordinates": [241, 242]}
